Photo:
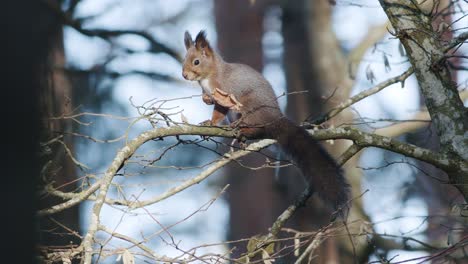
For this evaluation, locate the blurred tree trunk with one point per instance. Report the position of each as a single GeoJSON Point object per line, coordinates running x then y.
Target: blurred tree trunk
{"type": "Point", "coordinates": [251, 195]}
{"type": "Point", "coordinates": [34, 42]}
{"type": "Point", "coordinates": [24, 50]}
{"type": "Point", "coordinates": [256, 198]}
{"type": "Point", "coordinates": [303, 74]}
{"type": "Point", "coordinates": [55, 101]}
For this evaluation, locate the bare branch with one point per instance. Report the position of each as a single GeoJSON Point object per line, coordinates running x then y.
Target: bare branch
{"type": "Point", "coordinates": [457, 41]}
{"type": "Point", "coordinates": [77, 198]}
{"type": "Point", "coordinates": [363, 139]}
{"type": "Point", "coordinates": [426, 54]}
{"type": "Point", "coordinates": [373, 36]}
{"type": "Point", "coordinates": [362, 95]}
{"type": "Point", "coordinates": [314, 244]}
{"type": "Point", "coordinates": [360, 138]}
{"type": "Point", "coordinates": [156, 46]}
{"type": "Point", "coordinates": [228, 157]}
{"type": "Point", "coordinates": [405, 127]}
{"type": "Point", "coordinates": [137, 243]}
{"type": "Point", "coordinates": [348, 154]}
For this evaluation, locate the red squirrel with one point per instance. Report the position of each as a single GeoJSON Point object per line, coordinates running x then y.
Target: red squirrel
{"type": "Point", "coordinates": [239, 89]}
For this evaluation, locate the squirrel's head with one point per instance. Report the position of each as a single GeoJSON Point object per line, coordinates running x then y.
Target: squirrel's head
{"type": "Point", "coordinates": [199, 61]}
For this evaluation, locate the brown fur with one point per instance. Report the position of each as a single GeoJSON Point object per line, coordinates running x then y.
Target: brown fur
{"type": "Point", "coordinates": [259, 115]}
{"type": "Point", "coordinates": [219, 113]}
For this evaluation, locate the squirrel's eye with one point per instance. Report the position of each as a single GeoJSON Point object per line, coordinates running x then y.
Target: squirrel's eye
{"type": "Point", "coordinates": [196, 62]}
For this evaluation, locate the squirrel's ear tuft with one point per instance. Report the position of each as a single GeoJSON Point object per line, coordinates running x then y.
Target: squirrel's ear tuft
{"type": "Point", "coordinates": [201, 42]}
{"type": "Point", "coordinates": [188, 40]}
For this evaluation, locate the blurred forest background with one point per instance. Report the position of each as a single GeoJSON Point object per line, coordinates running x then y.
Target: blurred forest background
{"type": "Point", "coordinates": [109, 70]}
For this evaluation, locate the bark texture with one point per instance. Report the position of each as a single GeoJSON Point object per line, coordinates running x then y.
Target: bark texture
{"type": "Point", "coordinates": [426, 52]}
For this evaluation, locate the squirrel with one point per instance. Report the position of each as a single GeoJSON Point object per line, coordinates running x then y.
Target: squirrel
{"type": "Point", "coordinates": [243, 93]}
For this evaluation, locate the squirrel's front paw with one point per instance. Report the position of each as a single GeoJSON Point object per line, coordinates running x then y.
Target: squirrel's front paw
{"type": "Point", "coordinates": [207, 99]}
{"type": "Point", "coordinates": [206, 123]}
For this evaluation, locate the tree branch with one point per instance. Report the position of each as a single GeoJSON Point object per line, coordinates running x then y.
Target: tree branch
{"type": "Point", "coordinates": [76, 199]}
{"type": "Point", "coordinates": [155, 47]}
{"type": "Point", "coordinates": [355, 56]}
{"type": "Point", "coordinates": [122, 155]}
{"type": "Point", "coordinates": [405, 127]}
{"type": "Point", "coordinates": [426, 54]}
{"type": "Point", "coordinates": [457, 41]}
{"type": "Point", "coordinates": [360, 138]}
{"type": "Point", "coordinates": [362, 95]}
{"type": "Point", "coordinates": [140, 245]}
{"type": "Point", "coordinates": [364, 139]}
{"type": "Point", "coordinates": [228, 157]}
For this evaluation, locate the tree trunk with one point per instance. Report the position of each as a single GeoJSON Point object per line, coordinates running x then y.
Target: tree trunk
{"type": "Point", "coordinates": [256, 198]}
{"type": "Point", "coordinates": [26, 47]}
{"type": "Point", "coordinates": [426, 53]}
{"type": "Point", "coordinates": [251, 195]}
{"type": "Point", "coordinates": [304, 74]}
{"type": "Point", "coordinates": [55, 101]}
{"type": "Point", "coordinates": [439, 198]}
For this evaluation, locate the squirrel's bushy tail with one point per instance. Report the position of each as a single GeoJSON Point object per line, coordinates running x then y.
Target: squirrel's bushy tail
{"type": "Point", "coordinates": [319, 168]}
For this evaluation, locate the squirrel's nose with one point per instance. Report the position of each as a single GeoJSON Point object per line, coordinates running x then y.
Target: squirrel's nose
{"type": "Point", "coordinates": [185, 75]}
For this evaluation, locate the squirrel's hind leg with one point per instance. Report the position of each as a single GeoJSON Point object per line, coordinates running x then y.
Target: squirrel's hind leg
{"type": "Point", "coordinates": [219, 113]}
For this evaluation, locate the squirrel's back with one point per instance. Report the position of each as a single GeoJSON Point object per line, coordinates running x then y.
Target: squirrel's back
{"type": "Point", "coordinates": [253, 91]}
{"type": "Point", "coordinates": [241, 79]}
